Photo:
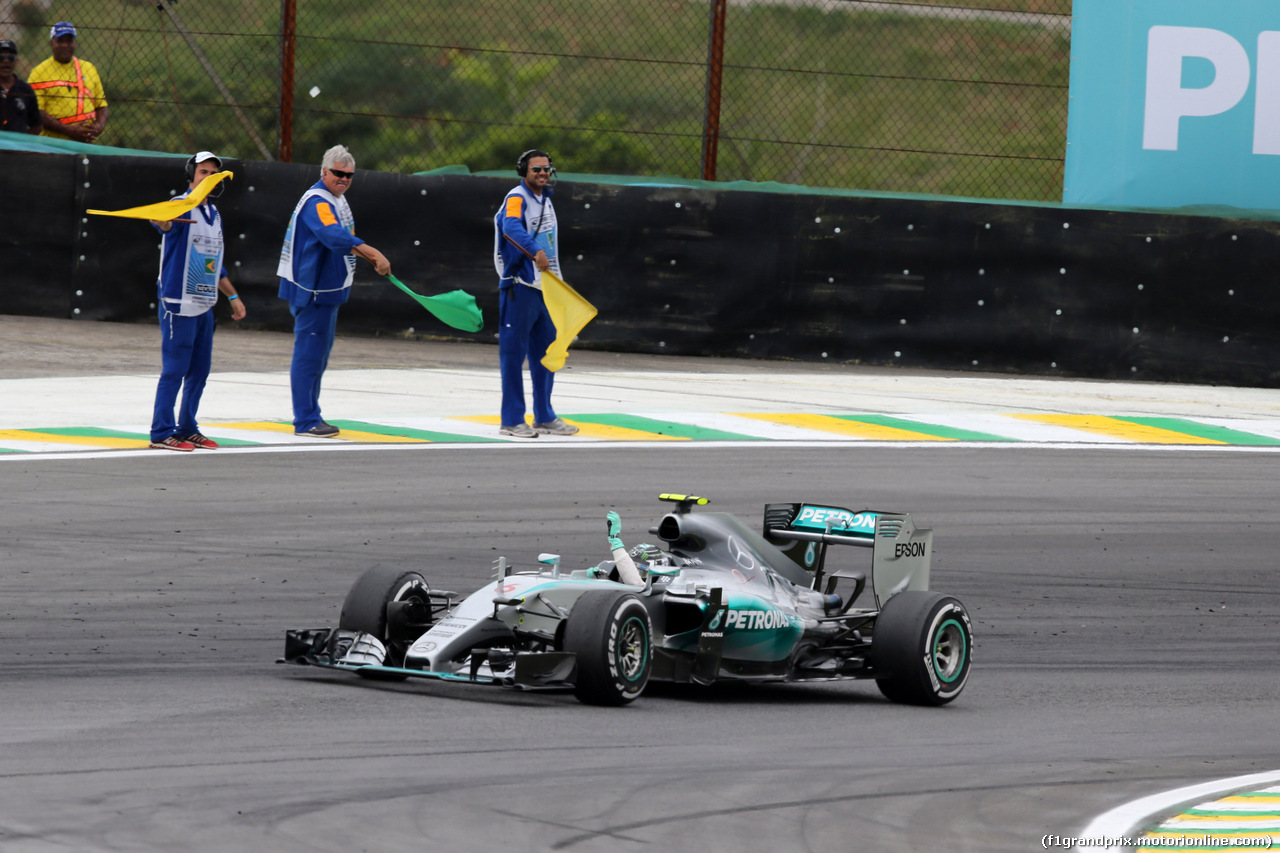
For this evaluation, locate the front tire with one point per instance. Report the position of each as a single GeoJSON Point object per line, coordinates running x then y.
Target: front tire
{"type": "Point", "coordinates": [611, 637]}
{"type": "Point", "coordinates": [365, 607]}
{"type": "Point", "coordinates": [922, 646]}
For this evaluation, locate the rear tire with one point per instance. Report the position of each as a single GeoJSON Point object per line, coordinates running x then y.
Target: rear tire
{"type": "Point", "coordinates": [365, 607]}
{"type": "Point", "coordinates": [611, 637]}
{"type": "Point", "coordinates": [922, 646]}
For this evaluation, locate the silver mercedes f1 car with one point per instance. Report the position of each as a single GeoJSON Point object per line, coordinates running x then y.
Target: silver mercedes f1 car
{"type": "Point", "coordinates": [716, 601]}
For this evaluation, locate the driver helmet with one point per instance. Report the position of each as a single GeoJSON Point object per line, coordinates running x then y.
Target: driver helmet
{"type": "Point", "coordinates": [650, 554]}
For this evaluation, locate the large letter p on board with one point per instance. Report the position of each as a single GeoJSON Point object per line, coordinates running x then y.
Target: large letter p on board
{"type": "Point", "coordinates": [1266, 111]}
{"type": "Point", "coordinates": [1167, 101]}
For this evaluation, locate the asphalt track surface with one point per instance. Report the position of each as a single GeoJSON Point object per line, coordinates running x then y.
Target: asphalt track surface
{"type": "Point", "coordinates": [1125, 616]}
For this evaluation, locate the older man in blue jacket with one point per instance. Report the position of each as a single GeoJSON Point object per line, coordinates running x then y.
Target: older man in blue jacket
{"type": "Point", "coordinates": [317, 265]}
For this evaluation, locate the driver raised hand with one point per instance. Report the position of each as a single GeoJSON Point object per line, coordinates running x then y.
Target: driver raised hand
{"type": "Point", "coordinates": [627, 570]}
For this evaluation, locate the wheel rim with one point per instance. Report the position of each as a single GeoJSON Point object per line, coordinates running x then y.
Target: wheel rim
{"type": "Point", "coordinates": [950, 650]}
{"type": "Point", "coordinates": [413, 593]}
{"type": "Point", "coordinates": [633, 649]}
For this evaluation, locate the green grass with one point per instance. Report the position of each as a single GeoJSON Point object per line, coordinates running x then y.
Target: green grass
{"type": "Point", "coordinates": [815, 95]}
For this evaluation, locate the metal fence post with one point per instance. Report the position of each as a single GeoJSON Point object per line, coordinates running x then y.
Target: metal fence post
{"type": "Point", "coordinates": [288, 49]}
{"type": "Point", "coordinates": [214, 77]}
{"type": "Point", "coordinates": [715, 72]}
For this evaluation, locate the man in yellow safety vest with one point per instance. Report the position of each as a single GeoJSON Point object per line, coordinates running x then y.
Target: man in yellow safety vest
{"type": "Point", "coordinates": [69, 90]}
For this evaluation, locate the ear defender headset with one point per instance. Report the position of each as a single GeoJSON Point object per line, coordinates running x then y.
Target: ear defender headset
{"type": "Point", "coordinates": [191, 173]}
{"type": "Point", "coordinates": [522, 164]}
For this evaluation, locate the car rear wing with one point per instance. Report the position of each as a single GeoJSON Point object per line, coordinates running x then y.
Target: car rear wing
{"type": "Point", "coordinates": [901, 552]}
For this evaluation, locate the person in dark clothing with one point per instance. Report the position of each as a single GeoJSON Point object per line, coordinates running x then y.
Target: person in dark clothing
{"type": "Point", "coordinates": [19, 110]}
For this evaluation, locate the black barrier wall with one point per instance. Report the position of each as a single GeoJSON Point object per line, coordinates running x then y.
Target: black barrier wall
{"type": "Point", "coordinates": [925, 283]}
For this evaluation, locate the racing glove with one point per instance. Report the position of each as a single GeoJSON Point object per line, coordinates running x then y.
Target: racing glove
{"type": "Point", "coordinates": [614, 524]}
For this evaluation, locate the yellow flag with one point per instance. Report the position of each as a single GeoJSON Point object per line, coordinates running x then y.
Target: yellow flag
{"type": "Point", "coordinates": [569, 312]}
{"type": "Point", "coordinates": [166, 210]}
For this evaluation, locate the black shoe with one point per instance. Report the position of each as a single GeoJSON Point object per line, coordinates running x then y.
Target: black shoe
{"type": "Point", "coordinates": [320, 430]}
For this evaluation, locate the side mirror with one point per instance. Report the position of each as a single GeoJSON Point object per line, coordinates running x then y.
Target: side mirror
{"type": "Point", "coordinates": [662, 571]}
{"type": "Point", "coordinates": [552, 560]}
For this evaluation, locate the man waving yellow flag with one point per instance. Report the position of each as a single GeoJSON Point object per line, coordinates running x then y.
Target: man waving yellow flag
{"type": "Point", "coordinates": [569, 312]}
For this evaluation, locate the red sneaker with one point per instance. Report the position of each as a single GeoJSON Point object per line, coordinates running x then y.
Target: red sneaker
{"type": "Point", "coordinates": [173, 443]}
{"type": "Point", "coordinates": [203, 443]}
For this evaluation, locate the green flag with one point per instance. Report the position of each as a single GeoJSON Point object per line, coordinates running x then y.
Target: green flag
{"type": "Point", "coordinates": [457, 308]}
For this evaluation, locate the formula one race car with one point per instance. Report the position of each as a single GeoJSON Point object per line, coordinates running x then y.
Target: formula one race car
{"type": "Point", "coordinates": [716, 602]}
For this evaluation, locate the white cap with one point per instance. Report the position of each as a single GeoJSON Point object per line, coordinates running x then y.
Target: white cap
{"type": "Point", "coordinates": [201, 156]}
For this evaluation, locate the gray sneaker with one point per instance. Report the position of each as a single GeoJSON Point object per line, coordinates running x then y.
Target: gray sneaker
{"type": "Point", "coordinates": [520, 430]}
{"type": "Point", "coordinates": [556, 427]}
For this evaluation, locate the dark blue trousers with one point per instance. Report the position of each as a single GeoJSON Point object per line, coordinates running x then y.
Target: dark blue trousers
{"type": "Point", "coordinates": [314, 327]}
{"type": "Point", "coordinates": [186, 356]}
{"type": "Point", "coordinates": [524, 330]}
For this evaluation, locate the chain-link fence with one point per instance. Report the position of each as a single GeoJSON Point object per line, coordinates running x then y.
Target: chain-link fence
{"type": "Point", "coordinates": [922, 96]}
